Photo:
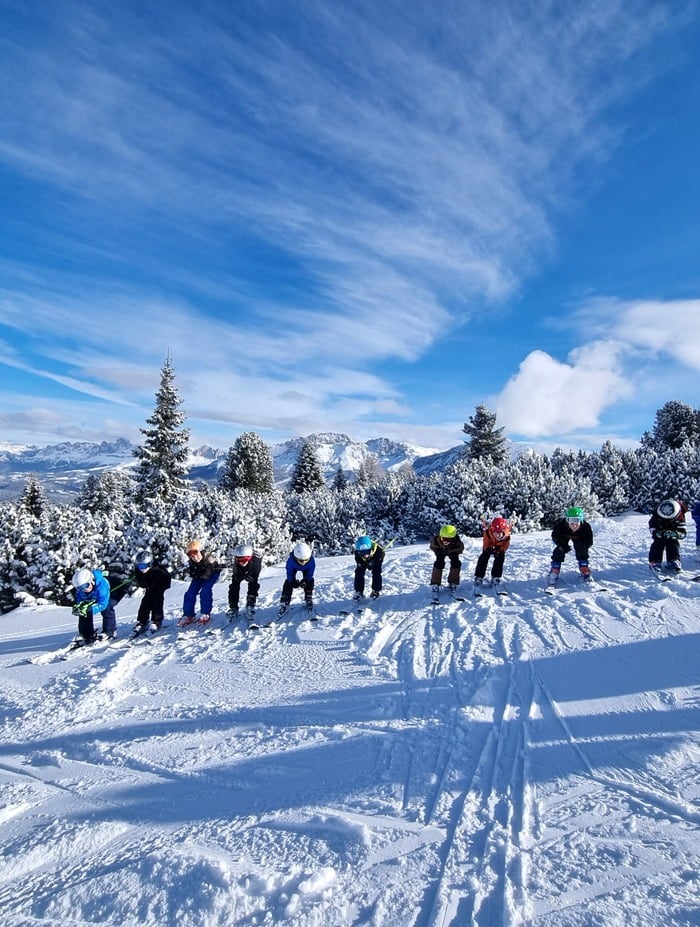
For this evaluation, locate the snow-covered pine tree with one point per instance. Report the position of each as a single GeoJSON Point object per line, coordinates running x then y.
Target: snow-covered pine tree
{"type": "Point", "coordinates": [340, 480]}
{"type": "Point", "coordinates": [308, 474]}
{"type": "Point", "coordinates": [33, 499]}
{"type": "Point", "coordinates": [248, 465]}
{"type": "Point", "coordinates": [609, 479]}
{"type": "Point", "coordinates": [676, 424]}
{"type": "Point", "coordinates": [369, 472]}
{"type": "Point", "coordinates": [485, 440]}
{"type": "Point", "coordinates": [161, 471]}
{"type": "Point", "coordinates": [105, 492]}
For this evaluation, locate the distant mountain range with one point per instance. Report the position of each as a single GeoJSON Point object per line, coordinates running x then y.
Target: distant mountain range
{"type": "Point", "coordinates": [63, 468]}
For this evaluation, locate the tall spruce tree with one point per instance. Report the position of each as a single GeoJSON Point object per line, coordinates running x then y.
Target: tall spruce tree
{"type": "Point", "coordinates": [486, 442]}
{"type": "Point", "coordinates": [248, 465]}
{"type": "Point", "coordinates": [308, 474]}
{"type": "Point", "coordinates": [160, 473]}
{"type": "Point", "coordinates": [33, 498]}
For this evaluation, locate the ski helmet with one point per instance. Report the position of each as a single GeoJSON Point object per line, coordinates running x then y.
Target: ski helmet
{"type": "Point", "coordinates": [144, 558]}
{"type": "Point", "coordinates": [669, 508]}
{"type": "Point", "coordinates": [302, 552]}
{"type": "Point", "coordinates": [575, 513]}
{"type": "Point", "coordinates": [243, 553]}
{"type": "Point", "coordinates": [363, 545]}
{"type": "Point", "coordinates": [448, 531]}
{"type": "Point", "coordinates": [500, 528]}
{"type": "Point", "coordinates": [83, 578]}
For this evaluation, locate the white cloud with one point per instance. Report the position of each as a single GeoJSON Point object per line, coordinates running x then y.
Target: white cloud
{"type": "Point", "coordinates": [662, 328]}
{"type": "Point", "coordinates": [548, 397]}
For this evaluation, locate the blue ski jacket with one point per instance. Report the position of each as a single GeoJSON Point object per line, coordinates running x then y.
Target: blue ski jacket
{"type": "Point", "coordinates": [99, 594]}
{"type": "Point", "coordinates": [293, 567]}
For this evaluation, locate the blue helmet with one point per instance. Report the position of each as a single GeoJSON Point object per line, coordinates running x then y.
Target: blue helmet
{"type": "Point", "coordinates": [363, 545]}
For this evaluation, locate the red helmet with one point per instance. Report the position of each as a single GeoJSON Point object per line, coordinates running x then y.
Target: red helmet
{"type": "Point", "coordinates": [500, 528]}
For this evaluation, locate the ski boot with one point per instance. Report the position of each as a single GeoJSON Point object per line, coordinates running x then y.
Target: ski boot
{"type": "Point", "coordinates": [374, 594]}
{"type": "Point", "coordinates": [232, 613]}
{"type": "Point", "coordinates": [283, 609]}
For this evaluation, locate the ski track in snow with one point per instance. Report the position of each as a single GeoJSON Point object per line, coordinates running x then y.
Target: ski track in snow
{"type": "Point", "coordinates": [517, 760]}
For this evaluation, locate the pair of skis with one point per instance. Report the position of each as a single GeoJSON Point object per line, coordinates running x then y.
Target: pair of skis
{"type": "Point", "coordinates": [452, 593]}
{"type": "Point", "coordinates": [480, 589]}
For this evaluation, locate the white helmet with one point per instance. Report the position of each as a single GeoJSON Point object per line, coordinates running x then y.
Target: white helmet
{"type": "Point", "coordinates": [243, 550]}
{"type": "Point", "coordinates": [669, 508]}
{"type": "Point", "coordinates": [82, 578]}
{"type": "Point", "coordinates": [302, 552]}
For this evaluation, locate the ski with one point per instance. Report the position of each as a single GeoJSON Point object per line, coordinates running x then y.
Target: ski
{"type": "Point", "coordinates": [77, 647]}
{"type": "Point", "coordinates": [145, 635]}
{"type": "Point", "coordinates": [480, 590]}
{"type": "Point", "coordinates": [435, 600]}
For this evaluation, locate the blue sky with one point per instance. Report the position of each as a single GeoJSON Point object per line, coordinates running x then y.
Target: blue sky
{"type": "Point", "coordinates": [349, 216]}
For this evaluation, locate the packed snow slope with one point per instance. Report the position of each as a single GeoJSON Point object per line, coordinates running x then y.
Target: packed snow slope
{"type": "Point", "coordinates": [528, 760]}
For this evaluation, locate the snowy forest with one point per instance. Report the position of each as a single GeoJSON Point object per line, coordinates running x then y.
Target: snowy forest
{"type": "Point", "coordinates": [115, 514]}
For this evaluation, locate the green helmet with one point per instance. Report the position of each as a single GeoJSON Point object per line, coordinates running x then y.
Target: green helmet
{"type": "Point", "coordinates": [448, 531]}
{"type": "Point", "coordinates": [575, 512]}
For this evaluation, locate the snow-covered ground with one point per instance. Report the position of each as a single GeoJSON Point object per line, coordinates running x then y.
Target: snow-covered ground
{"type": "Point", "coordinates": [531, 760]}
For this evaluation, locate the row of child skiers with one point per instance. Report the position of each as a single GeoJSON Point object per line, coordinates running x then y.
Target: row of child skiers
{"type": "Point", "coordinates": [666, 525]}
{"type": "Point", "coordinates": [96, 599]}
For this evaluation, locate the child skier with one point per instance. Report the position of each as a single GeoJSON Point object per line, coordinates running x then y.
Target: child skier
{"type": "Point", "coordinates": [368, 556]}
{"type": "Point", "coordinates": [301, 560]}
{"type": "Point", "coordinates": [573, 528]}
{"type": "Point", "coordinates": [667, 527]}
{"type": "Point", "coordinates": [447, 543]}
{"type": "Point", "coordinates": [495, 542]}
{"type": "Point", "coordinates": [204, 571]}
{"type": "Point", "coordinates": [93, 602]}
{"type": "Point", "coordinates": [154, 579]}
{"type": "Point", "coordinates": [246, 568]}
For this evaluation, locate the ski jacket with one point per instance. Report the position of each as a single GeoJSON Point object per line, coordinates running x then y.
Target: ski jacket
{"type": "Point", "coordinates": [99, 594]}
{"type": "Point", "coordinates": [695, 511]}
{"type": "Point", "coordinates": [293, 567]}
{"type": "Point", "coordinates": [155, 579]}
{"type": "Point", "coordinates": [456, 545]}
{"type": "Point", "coordinates": [562, 535]}
{"type": "Point", "coordinates": [667, 527]}
{"type": "Point", "coordinates": [248, 573]}
{"type": "Point", "coordinates": [371, 560]}
{"type": "Point", "coordinates": [205, 568]}
{"type": "Point", "coordinates": [499, 546]}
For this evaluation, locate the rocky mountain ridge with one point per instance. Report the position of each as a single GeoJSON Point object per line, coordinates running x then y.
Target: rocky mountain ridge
{"type": "Point", "coordinates": [63, 468]}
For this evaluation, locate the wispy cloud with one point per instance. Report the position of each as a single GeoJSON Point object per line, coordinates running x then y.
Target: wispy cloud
{"type": "Point", "coordinates": [410, 164]}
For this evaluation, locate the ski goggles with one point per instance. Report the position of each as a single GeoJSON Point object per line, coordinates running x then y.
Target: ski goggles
{"type": "Point", "coordinates": [574, 522]}
{"type": "Point", "coordinates": [86, 587]}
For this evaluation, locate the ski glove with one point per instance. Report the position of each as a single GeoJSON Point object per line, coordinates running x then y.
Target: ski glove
{"type": "Point", "coordinates": [81, 608]}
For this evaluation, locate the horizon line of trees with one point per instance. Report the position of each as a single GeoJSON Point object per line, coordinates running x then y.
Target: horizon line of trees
{"type": "Point", "coordinates": [115, 515]}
